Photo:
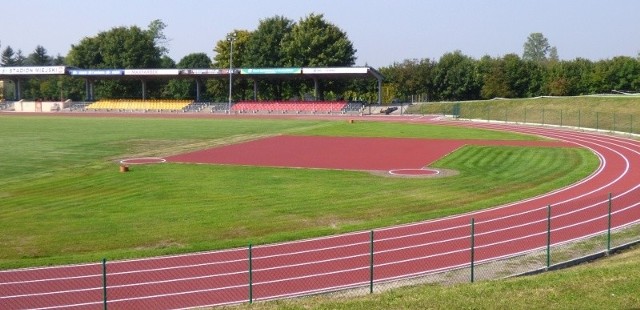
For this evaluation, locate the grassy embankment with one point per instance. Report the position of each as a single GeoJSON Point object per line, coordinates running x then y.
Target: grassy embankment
{"type": "Point", "coordinates": [607, 113]}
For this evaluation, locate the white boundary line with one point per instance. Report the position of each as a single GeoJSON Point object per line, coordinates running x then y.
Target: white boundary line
{"type": "Point", "coordinates": [148, 160]}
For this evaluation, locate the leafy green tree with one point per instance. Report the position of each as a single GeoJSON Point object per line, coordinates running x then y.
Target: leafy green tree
{"type": "Point", "coordinates": [456, 77]}
{"type": "Point", "coordinates": [167, 63]}
{"type": "Point", "coordinates": [314, 42]}
{"type": "Point", "coordinates": [183, 89]}
{"type": "Point", "coordinates": [410, 77]}
{"type": "Point", "coordinates": [218, 89]}
{"type": "Point", "coordinates": [536, 47]}
{"type": "Point", "coordinates": [553, 54]}
{"type": "Point", "coordinates": [264, 50]}
{"type": "Point", "coordinates": [494, 78]}
{"type": "Point", "coordinates": [623, 73]}
{"type": "Point", "coordinates": [156, 30]}
{"type": "Point", "coordinates": [517, 75]}
{"type": "Point", "coordinates": [569, 78]}
{"type": "Point", "coordinates": [264, 46]}
{"type": "Point", "coordinates": [120, 47]}
{"type": "Point", "coordinates": [86, 54]}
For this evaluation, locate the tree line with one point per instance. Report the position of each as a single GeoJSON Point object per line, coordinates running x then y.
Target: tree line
{"type": "Point", "coordinates": [314, 42]}
{"type": "Point", "coordinates": [456, 76]}
{"type": "Point", "coordinates": [277, 42]}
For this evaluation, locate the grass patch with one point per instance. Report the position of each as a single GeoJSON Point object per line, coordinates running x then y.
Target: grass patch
{"type": "Point", "coordinates": [608, 113]}
{"type": "Point", "coordinates": [611, 283]}
{"type": "Point", "coordinates": [64, 201]}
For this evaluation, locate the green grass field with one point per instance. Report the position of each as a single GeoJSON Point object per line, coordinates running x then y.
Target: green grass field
{"type": "Point", "coordinates": [64, 201]}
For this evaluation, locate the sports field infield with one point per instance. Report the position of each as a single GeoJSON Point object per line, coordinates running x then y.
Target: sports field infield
{"type": "Point", "coordinates": [65, 201]}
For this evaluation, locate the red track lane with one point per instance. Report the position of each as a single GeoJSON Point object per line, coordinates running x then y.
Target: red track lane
{"type": "Point", "coordinates": [325, 264]}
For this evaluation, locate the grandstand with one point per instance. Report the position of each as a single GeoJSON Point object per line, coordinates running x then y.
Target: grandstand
{"type": "Point", "coordinates": [122, 105]}
{"type": "Point", "coordinates": [295, 107]}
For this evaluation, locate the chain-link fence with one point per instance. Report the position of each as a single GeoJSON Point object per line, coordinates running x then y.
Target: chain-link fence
{"type": "Point", "coordinates": [581, 118]}
{"type": "Point", "coordinates": [460, 249]}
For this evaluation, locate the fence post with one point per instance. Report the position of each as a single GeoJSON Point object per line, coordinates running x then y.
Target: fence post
{"type": "Point", "coordinates": [250, 273]}
{"type": "Point", "coordinates": [548, 236]}
{"type": "Point", "coordinates": [371, 263]}
{"type": "Point", "coordinates": [104, 283]}
{"type": "Point", "coordinates": [472, 249]}
{"type": "Point", "coordinates": [579, 123]}
{"type": "Point", "coordinates": [609, 227]}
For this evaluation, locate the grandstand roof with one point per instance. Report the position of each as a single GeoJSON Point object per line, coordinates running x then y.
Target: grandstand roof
{"type": "Point", "coordinates": [253, 73]}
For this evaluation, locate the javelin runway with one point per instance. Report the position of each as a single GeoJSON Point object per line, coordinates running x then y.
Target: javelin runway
{"type": "Point", "coordinates": [327, 264]}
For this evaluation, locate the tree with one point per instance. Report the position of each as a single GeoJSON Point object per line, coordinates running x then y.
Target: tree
{"type": "Point", "coordinates": [264, 50]}
{"type": "Point", "coordinates": [264, 47]}
{"type": "Point", "coordinates": [222, 49]}
{"type": "Point", "coordinates": [536, 47]}
{"type": "Point", "coordinates": [456, 77]}
{"type": "Point", "coordinates": [494, 78]}
{"type": "Point", "coordinates": [156, 30]}
{"type": "Point", "coordinates": [182, 89]}
{"type": "Point", "coordinates": [167, 63]}
{"type": "Point", "coordinates": [315, 42]}
{"type": "Point", "coordinates": [8, 57]}
{"type": "Point", "coordinates": [553, 54]}
{"type": "Point", "coordinates": [623, 74]}
{"type": "Point", "coordinates": [120, 47]}
{"type": "Point", "coordinates": [39, 57]}
{"type": "Point", "coordinates": [20, 59]}
{"type": "Point", "coordinates": [410, 77]}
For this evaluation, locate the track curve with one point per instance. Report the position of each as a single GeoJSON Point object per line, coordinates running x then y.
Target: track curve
{"type": "Point", "coordinates": [343, 261]}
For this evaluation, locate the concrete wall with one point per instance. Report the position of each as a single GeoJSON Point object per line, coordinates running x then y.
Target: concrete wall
{"type": "Point", "coordinates": [38, 106]}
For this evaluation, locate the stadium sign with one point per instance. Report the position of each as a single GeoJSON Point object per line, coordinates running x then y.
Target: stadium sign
{"type": "Point", "coordinates": [33, 70]}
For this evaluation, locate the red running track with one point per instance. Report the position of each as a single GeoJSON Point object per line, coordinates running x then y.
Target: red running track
{"type": "Point", "coordinates": [343, 261]}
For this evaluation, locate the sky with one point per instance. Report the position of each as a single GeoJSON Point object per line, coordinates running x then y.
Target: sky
{"type": "Point", "coordinates": [382, 32]}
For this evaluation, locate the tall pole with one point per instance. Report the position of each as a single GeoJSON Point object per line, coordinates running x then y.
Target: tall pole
{"type": "Point", "coordinates": [231, 37]}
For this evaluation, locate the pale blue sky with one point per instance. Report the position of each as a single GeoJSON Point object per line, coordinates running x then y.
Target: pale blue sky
{"type": "Point", "coordinates": [383, 32]}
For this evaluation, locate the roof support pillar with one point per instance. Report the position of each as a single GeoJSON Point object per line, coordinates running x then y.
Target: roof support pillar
{"type": "Point", "coordinates": [18, 89]}
{"type": "Point", "coordinates": [255, 90]}
{"type": "Point", "coordinates": [198, 84]}
{"type": "Point", "coordinates": [379, 91]}
{"type": "Point", "coordinates": [144, 89]}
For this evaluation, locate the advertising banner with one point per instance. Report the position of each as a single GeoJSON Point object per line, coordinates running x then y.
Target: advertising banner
{"type": "Point", "coordinates": [204, 71]}
{"type": "Point", "coordinates": [151, 71]}
{"type": "Point", "coordinates": [101, 72]}
{"type": "Point", "coordinates": [341, 70]}
{"type": "Point", "coordinates": [271, 71]}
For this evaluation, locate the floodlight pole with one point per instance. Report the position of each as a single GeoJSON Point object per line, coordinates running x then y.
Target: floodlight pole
{"type": "Point", "coordinates": [231, 37]}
